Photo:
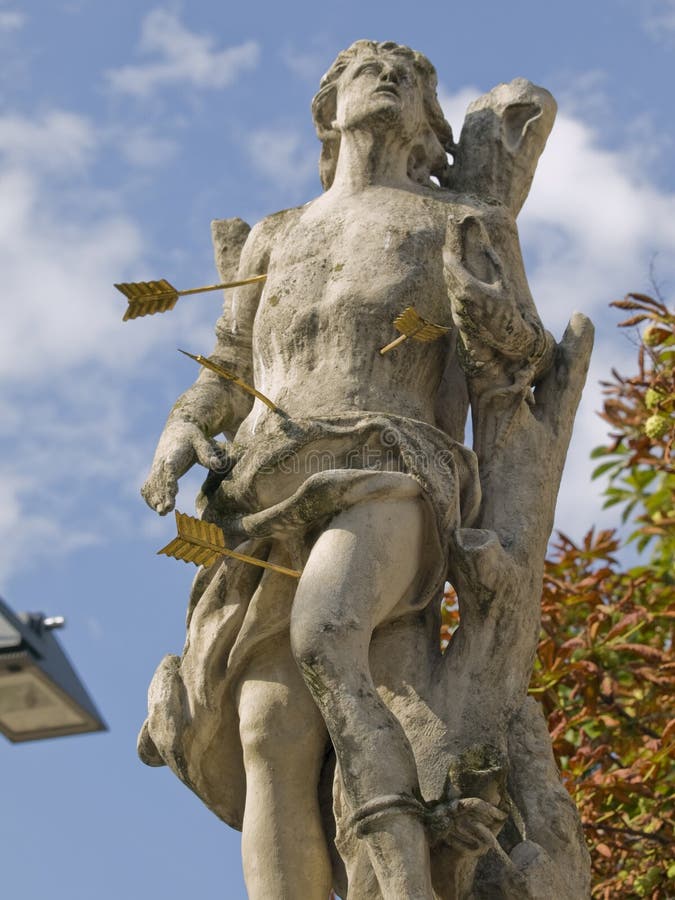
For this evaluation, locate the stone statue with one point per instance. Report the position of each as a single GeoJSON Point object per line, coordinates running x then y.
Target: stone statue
{"type": "Point", "coordinates": [319, 715]}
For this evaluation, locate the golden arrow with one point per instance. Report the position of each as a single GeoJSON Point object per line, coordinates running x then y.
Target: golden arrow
{"type": "Point", "coordinates": [203, 543]}
{"type": "Point", "coordinates": [225, 373]}
{"type": "Point", "coordinates": [412, 325]}
{"type": "Point", "coordinates": [149, 297]}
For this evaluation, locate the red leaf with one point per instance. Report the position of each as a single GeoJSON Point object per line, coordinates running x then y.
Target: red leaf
{"type": "Point", "coordinates": [634, 320]}
{"type": "Point", "coordinates": [668, 730]}
{"type": "Point", "coordinates": [627, 622]}
{"type": "Point", "coordinates": [645, 298]}
{"type": "Point", "coordinates": [651, 654]}
{"type": "Point", "coordinates": [626, 303]}
{"type": "Point", "coordinates": [572, 644]}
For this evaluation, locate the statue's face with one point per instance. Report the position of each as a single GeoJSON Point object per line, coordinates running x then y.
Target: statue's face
{"type": "Point", "coordinates": [380, 88]}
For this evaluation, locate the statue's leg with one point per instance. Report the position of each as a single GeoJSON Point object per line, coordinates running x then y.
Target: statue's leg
{"type": "Point", "coordinates": [359, 569]}
{"type": "Point", "coordinates": [284, 741]}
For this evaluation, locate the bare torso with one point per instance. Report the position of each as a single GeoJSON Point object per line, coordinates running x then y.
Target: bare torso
{"type": "Point", "coordinates": [340, 271]}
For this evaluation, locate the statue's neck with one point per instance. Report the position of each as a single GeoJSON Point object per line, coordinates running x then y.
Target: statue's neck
{"type": "Point", "coordinates": [368, 159]}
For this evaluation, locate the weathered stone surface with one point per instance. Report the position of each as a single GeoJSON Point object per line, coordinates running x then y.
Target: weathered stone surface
{"type": "Point", "coordinates": [319, 715]}
{"type": "Point", "coordinates": [229, 237]}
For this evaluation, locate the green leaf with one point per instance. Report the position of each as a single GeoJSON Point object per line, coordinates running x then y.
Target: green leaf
{"type": "Point", "coordinates": [641, 477]}
{"type": "Point", "coordinates": [629, 509]}
{"type": "Point", "coordinates": [604, 467]}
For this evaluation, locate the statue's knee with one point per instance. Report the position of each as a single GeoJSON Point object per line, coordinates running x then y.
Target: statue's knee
{"type": "Point", "coordinates": [307, 645]}
{"type": "Point", "coordinates": [270, 720]}
{"type": "Point", "coordinates": [322, 649]}
{"type": "Point", "coordinates": [264, 720]}
{"type": "Point", "coordinates": [311, 637]}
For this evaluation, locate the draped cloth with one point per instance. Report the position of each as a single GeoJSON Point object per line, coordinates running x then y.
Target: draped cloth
{"type": "Point", "coordinates": [288, 480]}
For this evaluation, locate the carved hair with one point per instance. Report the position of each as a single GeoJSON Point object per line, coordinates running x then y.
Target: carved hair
{"type": "Point", "coordinates": [428, 153]}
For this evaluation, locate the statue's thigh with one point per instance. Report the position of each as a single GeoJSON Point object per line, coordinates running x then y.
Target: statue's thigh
{"type": "Point", "coordinates": [360, 568]}
{"type": "Point", "coordinates": [279, 722]}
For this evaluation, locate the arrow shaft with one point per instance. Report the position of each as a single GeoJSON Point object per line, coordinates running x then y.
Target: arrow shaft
{"type": "Point", "coordinates": [224, 373]}
{"type": "Point", "coordinates": [242, 557]}
{"type": "Point", "coordinates": [404, 337]}
{"type": "Point", "coordinates": [294, 573]}
{"type": "Point", "coordinates": [221, 287]}
{"type": "Point", "coordinates": [394, 343]}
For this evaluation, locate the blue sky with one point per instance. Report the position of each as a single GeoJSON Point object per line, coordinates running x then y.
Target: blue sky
{"type": "Point", "coordinates": [124, 129]}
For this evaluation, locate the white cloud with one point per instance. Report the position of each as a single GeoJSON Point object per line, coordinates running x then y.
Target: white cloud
{"type": "Point", "coordinates": [10, 20]}
{"type": "Point", "coordinates": [589, 230]}
{"type": "Point", "coordinates": [33, 535]}
{"type": "Point", "coordinates": [57, 274]}
{"type": "Point", "coordinates": [180, 57]}
{"type": "Point", "coordinates": [454, 105]}
{"type": "Point", "coordinates": [62, 414]}
{"type": "Point", "coordinates": [71, 407]}
{"type": "Point", "coordinates": [283, 156]}
{"type": "Point", "coordinates": [659, 18]}
{"type": "Point", "coordinates": [56, 263]}
{"type": "Point", "coordinates": [307, 66]}
{"type": "Point", "coordinates": [145, 149]}
{"type": "Point", "coordinates": [592, 220]}
{"type": "Point", "coordinates": [57, 140]}
{"type": "Point", "coordinates": [311, 60]}
{"type": "Point", "coordinates": [68, 448]}
{"type": "Point", "coordinates": [580, 499]}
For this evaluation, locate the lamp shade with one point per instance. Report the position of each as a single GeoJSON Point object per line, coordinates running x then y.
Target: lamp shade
{"type": "Point", "coordinates": [41, 695]}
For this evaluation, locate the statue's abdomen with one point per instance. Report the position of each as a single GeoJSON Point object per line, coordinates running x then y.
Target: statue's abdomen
{"type": "Point", "coordinates": [323, 319]}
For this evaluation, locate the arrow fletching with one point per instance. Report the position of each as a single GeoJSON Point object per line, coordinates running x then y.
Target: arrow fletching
{"type": "Point", "coordinates": [225, 373]}
{"type": "Point", "coordinates": [149, 297]}
{"type": "Point", "coordinates": [203, 543]}
{"type": "Point", "coordinates": [198, 542]}
{"type": "Point", "coordinates": [411, 325]}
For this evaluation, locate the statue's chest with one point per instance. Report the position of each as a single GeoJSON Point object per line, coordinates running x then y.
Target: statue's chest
{"type": "Point", "coordinates": [349, 270]}
{"type": "Point", "coordinates": [369, 243]}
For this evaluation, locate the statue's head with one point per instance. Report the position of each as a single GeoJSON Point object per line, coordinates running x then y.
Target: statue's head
{"type": "Point", "coordinates": [432, 137]}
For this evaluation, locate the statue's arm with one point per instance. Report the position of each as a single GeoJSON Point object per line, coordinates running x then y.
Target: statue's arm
{"type": "Point", "coordinates": [212, 405]}
{"type": "Point", "coordinates": [501, 337]}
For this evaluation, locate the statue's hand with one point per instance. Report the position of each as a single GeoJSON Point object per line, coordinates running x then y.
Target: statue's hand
{"type": "Point", "coordinates": [475, 823]}
{"type": "Point", "coordinates": [470, 824]}
{"type": "Point", "coordinates": [490, 304]}
{"type": "Point", "coordinates": [476, 281]}
{"type": "Point", "coordinates": [181, 445]}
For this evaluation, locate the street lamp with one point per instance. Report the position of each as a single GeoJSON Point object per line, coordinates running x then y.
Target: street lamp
{"type": "Point", "coordinates": [40, 693]}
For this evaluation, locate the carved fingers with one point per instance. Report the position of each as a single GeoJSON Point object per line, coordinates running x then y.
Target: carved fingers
{"type": "Point", "coordinates": [473, 824]}
{"type": "Point", "coordinates": [473, 269]}
{"type": "Point", "coordinates": [468, 240]}
{"type": "Point", "coordinates": [160, 488]}
{"type": "Point", "coordinates": [469, 824]}
{"type": "Point", "coordinates": [181, 445]}
{"type": "Point", "coordinates": [481, 299]}
{"type": "Point", "coordinates": [490, 301]}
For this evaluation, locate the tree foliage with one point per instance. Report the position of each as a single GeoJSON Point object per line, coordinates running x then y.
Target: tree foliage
{"type": "Point", "coordinates": [604, 671]}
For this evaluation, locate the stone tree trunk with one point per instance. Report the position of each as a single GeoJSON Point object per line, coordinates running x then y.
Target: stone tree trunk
{"type": "Point", "coordinates": [474, 730]}
{"type": "Point", "coordinates": [497, 572]}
